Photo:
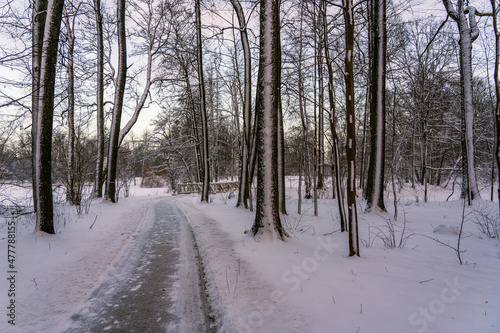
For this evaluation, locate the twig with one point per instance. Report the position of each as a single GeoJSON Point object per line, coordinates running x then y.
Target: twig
{"type": "Point", "coordinates": [227, 282]}
{"type": "Point", "coordinates": [426, 281]}
{"type": "Point", "coordinates": [94, 221]}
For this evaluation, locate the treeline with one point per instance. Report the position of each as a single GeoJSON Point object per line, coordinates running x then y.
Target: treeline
{"type": "Point", "coordinates": [369, 96]}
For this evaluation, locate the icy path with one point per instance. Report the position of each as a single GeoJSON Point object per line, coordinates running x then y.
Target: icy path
{"type": "Point", "coordinates": [153, 286]}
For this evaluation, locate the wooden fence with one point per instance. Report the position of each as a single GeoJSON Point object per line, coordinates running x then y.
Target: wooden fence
{"type": "Point", "coordinates": [214, 187]}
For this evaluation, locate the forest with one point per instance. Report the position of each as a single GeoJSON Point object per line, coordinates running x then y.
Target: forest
{"type": "Point", "coordinates": [355, 98]}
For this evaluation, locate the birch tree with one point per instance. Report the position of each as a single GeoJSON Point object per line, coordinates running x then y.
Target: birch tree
{"type": "Point", "coordinates": [267, 219]}
{"type": "Point", "coordinates": [378, 48]}
{"type": "Point", "coordinates": [43, 165]}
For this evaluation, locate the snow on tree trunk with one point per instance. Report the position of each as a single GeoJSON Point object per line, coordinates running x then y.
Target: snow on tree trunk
{"type": "Point", "coordinates": [204, 122]}
{"type": "Point", "coordinates": [321, 146]}
{"type": "Point", "coordinates": [468, 33]}
{"type": "Point", "coordinates": [43, 165]}
{"type": "Point", "coordinates": [71, 194]}
{"type": "Point", "coordinates": [376, 169]}
{"type": "Point", "coordinates": [245, 181]}
{"type": "Point", "coordinates": [118, 103]}
{"type": "Point", "coordinates": [100, 100]}
{"type": "Point", "coordinates": [351, 128]}
{"type": "Point", "coordinates": [267, 224]}
{"type": "Point", "coordinates": [281, 160]}
{"type": "Point", "coordinates": [39, 14]}
{"type": "Point", "coordinates": [494, 8]}
{"type": "Point", "coordinates": [336, 149]}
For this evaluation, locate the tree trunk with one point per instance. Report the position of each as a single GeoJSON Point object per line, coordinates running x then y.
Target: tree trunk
{"type": "Point", "coordinates": [267, 222]}
{"type": "Point", "coordinates": [336, 149]}
{"type": "Point", "coordinates": [364, 149]}
{"type": "Point", "coordinates": [468, 33]}
{"type": "Point", "coordinates": [245, 181]}
{"type": "Point", "coordinates": [321, 146]}
{"type": "Point", "coordinates": [100, 100]}
{"type": "Point", "coordinates": [300, 83]}
{"type": "Point", "coordinates": [191, 105]}
{"type": "Point", "coordinates": [281, 159]}
{"type": "Point", "coordinates": [71, 194]}
{"type": "Point", "coordinates": [376, 172]}
{"type": "Point", "coordinates": [494, 8]}
{"type": "Point", "coordinates": [38, 26]}
{"type": "Point", "coordinates": [362, 171]}
{"type": "Point", "coordinates": [45, 212]}
{"type": "Point", "coordinates": [118, 103]}
{"type": "Point", "coordinates": [351, 128]}
{"type": "Point", "coordinates": [204, 122]}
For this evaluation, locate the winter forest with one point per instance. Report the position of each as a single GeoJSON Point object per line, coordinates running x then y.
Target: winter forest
{"type": "Point", "coordinates": [369, 117]}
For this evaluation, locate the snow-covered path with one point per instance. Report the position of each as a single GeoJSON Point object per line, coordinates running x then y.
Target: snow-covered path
{"type": "Point", "coordinates": [153, 286]}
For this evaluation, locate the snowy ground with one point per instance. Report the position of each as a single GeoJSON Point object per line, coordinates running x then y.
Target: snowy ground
{"type": "Point", "coordinates": [55, 274]}
{"type": "Point", "coordinates": [309, 284]}
{"type": "Point", "coordinates": [306, 284]}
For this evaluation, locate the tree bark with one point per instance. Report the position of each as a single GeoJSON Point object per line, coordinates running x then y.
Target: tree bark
{"type": "Point", "coordinates": [376, 167]}
{"type": "Point", "coordinates": [245, 181]}
{"type": "Point", "coordinates": [281, 159]}
{"type": "Point", "coordinates": [118, 103]}
{"type": "Point", "coordinates": [71, 193]}
{"type": "Point", "coordinates": [100, 100]}
{"type": "Point", "coordinates": [267, 222]}
{"type": "Point", "coordinates": [204, 122]}
{"type": "Point", "coordinates": [321, 146]}
{"type": "Point", "coordinates": [45, 212]}
{"type": "Point", "coordinates": [495, 9]}
{"type": "Point", "coordinates": [336, 165]}
{"type": "Point", "coordinates": [38, 26]}
{"type": "Point", "coordinates": [351, 128]}
{"type": "Point", "coordinates": [468, 32]}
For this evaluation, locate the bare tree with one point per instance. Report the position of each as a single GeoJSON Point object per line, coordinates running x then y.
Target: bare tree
{"type": "Point", "coordinates": [71, 195]}
{"type": "Point", "coordinates": [348, 9]}
{"type": "Point", "coordinates": [38, 26]}
{"type": "Point", "coordinates": [99, 99]}
{"type": "Point", "coordinates": [43, 166]}
{"type": "Point", "coordinates": [375, 179]}
{"type": "Point", "coordinates": [153, 22]}
{"type": "Point", "coordinates": [118, 103]}
{"type": "Point", "coordinates": [245, 182]}
{"type": "Point", "coordinates": [495, 9]}
{"type": "Point", "coordinates": [468, 32]}
{"type": "Point", "coordinates": [336, 163]}
{"type": "Point", "coordinates": [267, 218]}
{"type": "Point", "coordinates": [204, 122]}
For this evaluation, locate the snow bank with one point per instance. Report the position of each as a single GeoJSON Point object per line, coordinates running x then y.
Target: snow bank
{"type": "Point", "coordinates": [241, 299]}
